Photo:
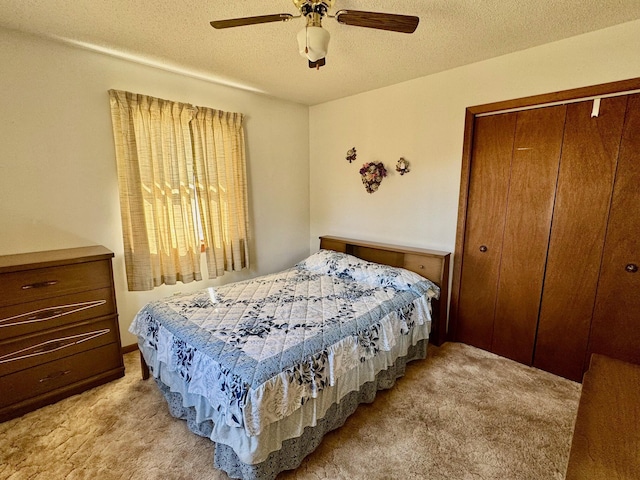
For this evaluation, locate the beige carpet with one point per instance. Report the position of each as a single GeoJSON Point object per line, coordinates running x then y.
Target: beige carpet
{"type": "Point", "coordinates": [460, 414]}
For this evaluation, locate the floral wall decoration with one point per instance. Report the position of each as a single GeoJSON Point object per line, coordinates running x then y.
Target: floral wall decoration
{"type": "Point", "coordinates": [402, 166]}
{"type": "Point", "coordinates": [351, 155]}
{"type": "Point", "coordinates": [372, 174]}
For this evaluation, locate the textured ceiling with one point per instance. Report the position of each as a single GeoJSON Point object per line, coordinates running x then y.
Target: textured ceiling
{"type": "Point", "coordinates": [176, 35]}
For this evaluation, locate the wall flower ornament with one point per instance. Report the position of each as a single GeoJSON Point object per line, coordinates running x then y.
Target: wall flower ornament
{"type": "Point", "coordinates": [351, 155]}
{"type": "Point", "coordinates": [372, 174]}
{"type": "Point", "coordinates": [402, 166]}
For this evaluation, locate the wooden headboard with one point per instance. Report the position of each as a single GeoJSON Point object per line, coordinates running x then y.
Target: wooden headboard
{"type": "Point", "coordinates": [431, 264]}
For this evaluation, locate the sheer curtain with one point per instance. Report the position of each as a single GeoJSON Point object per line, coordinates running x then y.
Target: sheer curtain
{"type": "Point", "coordinates": [163, 218]}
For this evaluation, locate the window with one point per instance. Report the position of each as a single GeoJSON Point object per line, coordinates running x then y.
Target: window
{"type": "Point", "coordinates": [182, 183]}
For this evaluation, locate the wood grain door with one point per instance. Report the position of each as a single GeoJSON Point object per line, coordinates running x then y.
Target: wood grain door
{"type": "Point", "coordinates": [558, 222]}
{"type": "Point", "coordinates": [487, 205]}
{"type": "Point", "coordinates": [512, 185]}
{"type": "Point", "coordinates": [585, 184]}
{"type": "Point", "coordinates": [615, 327]}
{"type": "Point", "coordinates": [534, 173]}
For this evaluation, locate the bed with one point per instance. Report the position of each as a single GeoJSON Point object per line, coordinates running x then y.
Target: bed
{"type": "Point", "coordinates": [265, 367]}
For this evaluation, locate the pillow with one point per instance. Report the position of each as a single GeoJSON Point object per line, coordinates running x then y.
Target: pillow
{"type": "Point", "coordinates": [347, 266]}
{"type": "Point", "coordinates": [331, 263]}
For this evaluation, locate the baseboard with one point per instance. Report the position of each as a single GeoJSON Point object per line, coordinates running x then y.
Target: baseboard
{"type": "Point", "coordinates": [129, 348]}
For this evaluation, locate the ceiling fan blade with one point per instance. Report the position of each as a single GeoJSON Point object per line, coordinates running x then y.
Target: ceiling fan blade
{"type": "Point", "coordinates": [380, 21]}
{"type": "Point", "coordinates": [238, 22]}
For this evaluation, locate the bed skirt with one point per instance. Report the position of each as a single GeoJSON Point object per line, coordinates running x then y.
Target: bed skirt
{"type": "Point", "coordinates": [293, 450]}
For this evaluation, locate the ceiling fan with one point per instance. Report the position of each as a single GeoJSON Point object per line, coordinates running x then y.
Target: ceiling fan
{"type": "Point", "coordinates": [313, 40]}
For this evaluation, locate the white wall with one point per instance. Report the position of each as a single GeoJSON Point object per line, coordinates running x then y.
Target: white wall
{"type": "Point", "coordinates": [58, 184]}
{"type": "Point", "coordinates": [423, 121]}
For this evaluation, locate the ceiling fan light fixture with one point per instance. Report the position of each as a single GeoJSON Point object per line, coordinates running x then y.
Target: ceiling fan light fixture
{"type": "Point", "coordinates": [313, 43]}
{"type": "Point", "coordinates": [313, 40]}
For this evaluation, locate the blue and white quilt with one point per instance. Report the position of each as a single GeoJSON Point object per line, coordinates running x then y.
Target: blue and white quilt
{"type": "Point", "coordinates": [251, 353]}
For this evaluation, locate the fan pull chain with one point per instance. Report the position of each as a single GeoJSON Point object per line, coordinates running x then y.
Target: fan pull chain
{"type": "Point", "coordinates": [306, 47]}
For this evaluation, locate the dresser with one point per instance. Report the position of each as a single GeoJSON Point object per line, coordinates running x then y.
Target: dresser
{"type": "Point", "coordinates": [59, 330]}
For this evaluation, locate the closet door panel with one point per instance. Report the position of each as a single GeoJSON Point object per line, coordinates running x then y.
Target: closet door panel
{"type": "Point", "coordinates": [615, 328]}
{"type": "Point", "coordinates": [585, 183]}
{"type": "Point", "coordinates": [534, 171]}
{"type": "Point", "coordinates": [489, 185]}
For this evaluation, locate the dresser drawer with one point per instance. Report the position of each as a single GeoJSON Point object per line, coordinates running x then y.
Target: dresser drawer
{"type": "Point", "coordinates": [36, 284]}
{"type": "Point", "coordinates": [28, 351]}
{"type": "Point", "coordinates": [28, 384]}
{"type": "Point", "coordinates": [17, 320]}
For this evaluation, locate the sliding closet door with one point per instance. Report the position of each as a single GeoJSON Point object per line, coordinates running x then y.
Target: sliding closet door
{"type": "Point", "coordinates": [585, 184]}
{"type": "Point", "coordinates": [489, 186]}
{"type": "Point", "coordinates": [534, 172]}
{"type": "Point", "coordinates": [615, 328]}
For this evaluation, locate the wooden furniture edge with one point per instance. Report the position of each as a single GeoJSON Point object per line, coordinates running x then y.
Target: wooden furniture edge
{"type": "Point", "coordinates": [53, 258]}
{"type": "Point", "coordinates": [395, 256]}
{"type": "Point", "coordinates": [606, 438]}
{"type": "Point", "coordinates": [382, 246]}
{"type": "Point", "coordinates": [144, 368]}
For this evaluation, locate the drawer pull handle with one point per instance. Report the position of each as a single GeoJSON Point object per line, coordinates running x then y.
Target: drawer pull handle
{"type": "Point", "coordinates": [39, 284]}
{"type": "Point", "coordinates": [50, 347]}
{"type": "Point", "coordinates": [43, 315]}
{"type": "Point", "coordinates": [631, 268]}
{"type": "Point", "coordinates": [54, 376]}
